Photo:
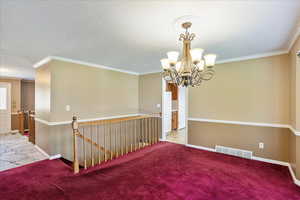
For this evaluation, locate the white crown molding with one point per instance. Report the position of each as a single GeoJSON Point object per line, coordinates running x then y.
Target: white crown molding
{"type": "Point", "coordinates": [88, 64]}
{"type": "Point", "coordinates": [244, 58]}
{"type": "Point", "coordinates": [273, 125]}
{"type": "Point", "coordinates": [294, 39]}
{"type": "Point", "coordinates": [42, 62]}
{"type": "Point", "coordinates": [150, 72]}
{"type": "Point", "coordinates": [238, 59]}
{"type": "Point", "coordinates": [84, 120]}
{"type": "Point", "coordinates": [251, 57]}
{"type": "Point", "coordinates": [277, 162]}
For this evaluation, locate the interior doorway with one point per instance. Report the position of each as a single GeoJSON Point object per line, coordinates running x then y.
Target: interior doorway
{"type": "Point", "coordinates": [5, 107]}
{"type": "Point", "coordinates": [174, 113]}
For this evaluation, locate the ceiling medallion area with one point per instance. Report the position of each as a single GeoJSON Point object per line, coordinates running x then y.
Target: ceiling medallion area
{"type": "Point", "coordinates": [193, 68]}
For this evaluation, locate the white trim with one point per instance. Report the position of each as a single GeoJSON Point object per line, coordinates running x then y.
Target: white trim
{"type": "Point", "coordinates": [251, 57]}
{"type": "Point", "coordinates": [243, 58]}
{"type": "Point", "coordinates": [201, 147]}
{"type": "Point", "coordinates": [297, 133]}
{"type": "Point", "coordinates": [14, 113]}
{"type": "Point", "coordinates": [84, 120]}
{"type": "Point", "coordinates": [42, 151]}
{"type": "Point", "coordinates": [42, 62]}
{"type": "Point", "coordinates": [277, 162]}
{"type": "Point", "coordinates": [55, 157]}
{"type": "Point", "coordinates": [47, 155]}
{"type": "Point", "coordinates": [230, 60]}
{"type": "Point", "coordinates": [294, 38]}
{"type": "Point", "coordinates": [151, 72]}
{"type": "Point", "coordinates": [273, 125]}
{"type": "Point", "coordinates": [88, 64]}
{"type": "Point", "coordinates": [296, 181]}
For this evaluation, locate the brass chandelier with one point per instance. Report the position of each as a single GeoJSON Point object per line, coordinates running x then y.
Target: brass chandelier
{"type": "Point", "coordinates": [192, 69]}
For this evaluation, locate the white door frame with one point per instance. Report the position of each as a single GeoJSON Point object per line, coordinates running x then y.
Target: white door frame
{"type": "Point", "coordinates": [164, 137]}
{"type": "Point", "coordinates": [8, 110]}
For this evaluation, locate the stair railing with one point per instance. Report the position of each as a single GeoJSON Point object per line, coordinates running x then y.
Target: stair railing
{"type": "Point", "coordinates": [31, 126]}
{"type": "Point", "coordinates": [96, 142]}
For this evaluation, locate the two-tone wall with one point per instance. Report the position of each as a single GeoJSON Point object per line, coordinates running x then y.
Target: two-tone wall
{"type": "Point", "coordinates": [295, 106]}
{"type": "Point", "coordinates": [89, 92]}
{"type": "Point", "coordinates": [253, 91]}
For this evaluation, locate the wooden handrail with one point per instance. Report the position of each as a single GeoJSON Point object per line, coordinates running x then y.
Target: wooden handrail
{"type": "Point", "coordinates": [118, 137]}
{"type": "Point", "coordinates": [99, 147]}
{"type": "Point", "coordinates": [116, 120]}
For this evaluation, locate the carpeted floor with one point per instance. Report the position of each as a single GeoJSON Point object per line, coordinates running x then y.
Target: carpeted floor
{"type": "Point", "coordinates": [164, 171]}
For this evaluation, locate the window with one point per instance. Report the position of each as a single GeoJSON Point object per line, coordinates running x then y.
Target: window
{"type": "Point", "coordinates": [3, 98]}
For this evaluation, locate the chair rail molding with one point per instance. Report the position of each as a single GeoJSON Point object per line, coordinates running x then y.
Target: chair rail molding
{"type": "Point", "coordinates": [273, 125]}
{"type": "Point", "coordinates": [84, 120]}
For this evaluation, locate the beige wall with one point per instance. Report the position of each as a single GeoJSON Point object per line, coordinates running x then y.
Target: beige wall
{"type": "Point", "coordinates": [150, 90]}
{"type": "Point", "coordinates": [27, 95]}
{"type": "Point", "coordinates": [295, 85]}
{"type": "Point", "coordinates": [295, 105]}
{"type": "Point", "coordinates": [91, 92]}
{"type": "Point", "coordinates": [276, 140]}
{"type": "Point", "coordinates": [252, 91]}
{"type": "Point", "coordinates": [43, 92]}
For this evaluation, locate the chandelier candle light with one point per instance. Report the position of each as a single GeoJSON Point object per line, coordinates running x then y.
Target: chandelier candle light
{"type": "Point", "coordinates": [193, 68]}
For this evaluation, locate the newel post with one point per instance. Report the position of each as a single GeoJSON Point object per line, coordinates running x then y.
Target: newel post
{"type": "Point", "coordinates": [21, 122]}
{"type": "Point", "coordinates": [75, 156]}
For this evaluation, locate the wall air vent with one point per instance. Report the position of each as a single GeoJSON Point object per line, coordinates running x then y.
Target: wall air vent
{"type": "Point", "coordinates": [234, 152]}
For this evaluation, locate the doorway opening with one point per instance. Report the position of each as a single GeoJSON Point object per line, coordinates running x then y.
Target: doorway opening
{"type": "Point", "coordinates": [174, 113]}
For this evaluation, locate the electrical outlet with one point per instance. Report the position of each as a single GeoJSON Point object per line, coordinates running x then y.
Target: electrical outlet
{"type": "Point", "coordinates": [261, 145]}
{"type": "Point", "coordinates": [68, 108]}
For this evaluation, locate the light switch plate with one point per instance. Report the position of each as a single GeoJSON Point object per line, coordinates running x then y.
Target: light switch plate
{"type": "Point", "coordinates": [157, 105]}
{"type": "Point", "coordinates": [261, 145]}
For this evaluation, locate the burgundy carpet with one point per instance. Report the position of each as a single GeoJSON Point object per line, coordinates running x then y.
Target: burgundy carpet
{"type": "Point", "coordinates": [164, 171]}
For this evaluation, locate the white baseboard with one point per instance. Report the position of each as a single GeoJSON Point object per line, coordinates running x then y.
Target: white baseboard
{"type": "Point", "coordinates": [201, 147]}
{"type": "Point", "coordinates": [55, 157]}
{"type": "Point", "coordinates": [42, 151]}
{"type": "Point", "coordinates": [47, 155]}
{"type": "Point", "coordinates": [277, 162]}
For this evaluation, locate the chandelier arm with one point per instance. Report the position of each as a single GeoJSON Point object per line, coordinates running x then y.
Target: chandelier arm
{"type": "Point", "coordinates": [208, 74]}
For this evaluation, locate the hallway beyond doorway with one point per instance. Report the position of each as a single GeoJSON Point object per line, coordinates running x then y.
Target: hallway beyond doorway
{"type": "Point", "coordinates": [177, 136]}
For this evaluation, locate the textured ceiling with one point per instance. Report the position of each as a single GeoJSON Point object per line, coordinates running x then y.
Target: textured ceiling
{"type": "Point", "coordinates": [135, 35]}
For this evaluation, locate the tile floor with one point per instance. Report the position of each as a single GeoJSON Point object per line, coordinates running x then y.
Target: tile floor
{"type": "Point", "coordinates": [16, 150]}
{"type": "Point", "coordinates": [177, 136]}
